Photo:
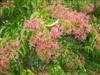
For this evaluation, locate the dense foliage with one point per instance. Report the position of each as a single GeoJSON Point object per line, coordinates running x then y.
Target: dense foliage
{"type": "Point", "coordinates": [49, 37]}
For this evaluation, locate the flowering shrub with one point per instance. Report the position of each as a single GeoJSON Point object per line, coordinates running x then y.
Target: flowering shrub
{"type": "Point", "coordinates": [54, 41]}
{"type": "Point", "coordinates": [7, 54]}
{"type": "Point", "coordinates": [70, 23]}
{"type": "Point", "coordinates": [45, 43]}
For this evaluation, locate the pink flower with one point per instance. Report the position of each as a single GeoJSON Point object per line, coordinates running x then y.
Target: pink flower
{"type": "Point", "coordinates": [40, 46]}
{"type": "Point", "coordinates": [59, 13]}
{"type": "Point", "coordinates": [80, 34]}
{"type": "Point", "coordinates": [48, 44]}
{"type": "Point", "coordinates": [56, 45]}
{"type": "Point", "coordinates": [55, 32]}
{"type": "Point", "coordinates": [68, 32]}
{"type": "Point", "coordinates": [33, 24]}
{"type": "Point", "coordinates": [87, 17]}
{"type": "Point", "coordinates": [2, 63]}
{"type": "Point", "coordinates": [33, 41]}
{"type": "Point", "coordinates": [7, 53]}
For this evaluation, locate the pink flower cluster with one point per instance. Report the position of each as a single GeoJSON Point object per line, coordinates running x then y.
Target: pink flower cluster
{"type": "Point", "coordinates": [55, 32]}
{"type": "Point", "coordinates": [59, 12]}
{"type": "Point", "coordinates": [42, 40]}
{"type": "Point", "coordinates": [72, 22]}
{"type": "Point", "coordinates": [33, 24]}
{"type": "Point", "coordinates": [45, 44]}
{"type": "Point", "coordinates": [8, 53]}
{"type": "Point", "coordinates": [80, 34]}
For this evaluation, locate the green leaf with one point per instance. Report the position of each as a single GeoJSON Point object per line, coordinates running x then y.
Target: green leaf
{"type": "Point", "coordinates": [55, 69]}
{"type": "Point", "coordinates": [30, 72]}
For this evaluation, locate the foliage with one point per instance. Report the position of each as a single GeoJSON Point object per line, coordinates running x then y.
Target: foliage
{"type": "Point", "coordinates": [33, 42]}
